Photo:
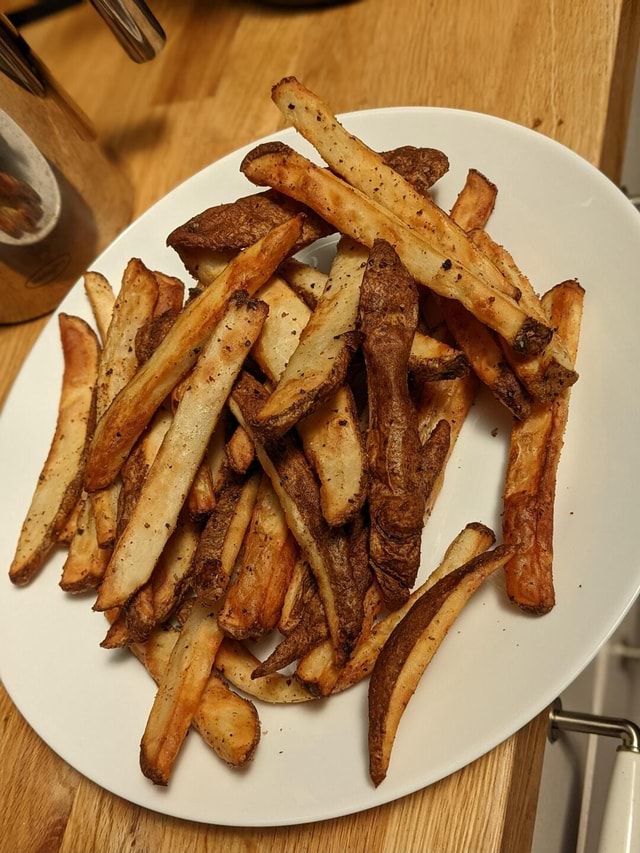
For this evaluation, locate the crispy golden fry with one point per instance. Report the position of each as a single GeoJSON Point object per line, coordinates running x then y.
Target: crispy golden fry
{"type": "Point", "coordinates": [431, 360]}
{"type": "Point", "coordinates": [366, 221]}
{"type": "Point", "coordinates": [179, 694]}
{"type": "Point", "coordinates": [299, 591]}
{"type": "Point", "coordinates": [133, 408]}
{"type": "Point", "coordinates": [220, 543]}
{"type": "Point", "coordinates": [551, 371]}
{"type": "Point", "coordinates": [324, 547]}
{"type": "Point", "coordinates": [319, 365]}
{"type": "Point", "coordinates": [133, 308]}
{"type": "Point", "coordinates": [469, 543]}
{"type": "Point", "coordinates": [60, 482]}
{"type": "Point", "coordinates": [86, 562]}
{"type": "Point", "coordinates": [306, 282]}
{"type": "Point", "coordinates": [240, 450]}
{"type": "Point", "coordinates": [331, 437]}
{"type": "Point", "coordinates": [530, 485]}
{"type": "Point", "coordinates": [411, 647]}
{"type": "Point", "coordinates": [475, 202]}
{"type": "Point", "coordinates": [139, 614]}
{"type": "Point", "coordinates": [201, 499]}
{"type": "Point", "coordinates": [367, 171]}
{"type": "Point", "coordinates": [102, 299]}
{"type": "Point", "coordinates": [166, 487]}
{"type": "Point", "coordinates": [226, 721]}
{"type": "Point", "coordinates": [254, 600]}
{"type": "Point", "coordinates": [237, 664]}
{"type": "Point", "coordinates": [401, 471]}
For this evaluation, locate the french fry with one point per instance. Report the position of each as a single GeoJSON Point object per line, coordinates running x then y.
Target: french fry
{"type": "Point", "coordinates": [216, 456]}
{"type": "Point", "coordinates": [475, 202]}
{"type": "Point", "coordinates": [86, 562]}
{"type": "Point", "coordinates": [102, 299]}
{"type": "Point", "coordinates": [227, 723]}
{"type": "Point", "coordinates": [319, 365]}
{"type": "Point", "coordinates": [133, 307]}
{"type": "Point", "coordinates": [530, 484]}
{"type": "Point", "coordinates": [65, 537]}
{"type": "Point", "coordinates": [170, 294]}
{"type": "Point", "coordinates": [134, 407]}
{"type": "Point", "coordinates": [324, 547]}
{"type": "Point", "coordinates": [306, 282]}
{"type": "Point", "coordinates": [165, 489]}
{"type": "Point", "coordinates": [236, 664]}
{"type": "Point", "coordinates": [240, 450]}
{"type": "Point", "coordinates": [411, 647]}
{"type": "Point", "coordinates": [401, 471]}
{"type": "Point", "coordinates": [310, 630]}
{"type": "Point", "coordinates": [201, 499]}
{"type": "Point", "coordinates": [253, 602]}
{"type": "Point", "coordinates": [551, 371]}
{"type": "Point", "coordinates": [367, 171]}
{"type": "Point", "coordinates": [301, 586]}
{"type": "Point", "coordinates": [60, 481]}
{"type": "Point", "coordinates": [222, 538]}
{"type": "Point", "coordinates": [179, 694]}
{"type": "Point", "coordinates": [366, 221]}
{"type": "Point", "coordinates": [331, 437]}
{"type": "Point", "coordinates": [472, 541]}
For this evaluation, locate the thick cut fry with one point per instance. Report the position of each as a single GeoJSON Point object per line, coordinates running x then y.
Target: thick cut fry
{"type": "Point", "coordinates": [236, 664]}
{"type": "Point", "coordinates": [225, 721]}
{"type": "Point", "coordinates": [202, 499]}
{"type": "Point", "coordinates": [366, 221]}
{"type": "Point", "coordinates": [222, 538]}
{"type": "Point", "coordinates": [167, 484]}
{"type": "Point", "coordinates": [60, 481]}
{"type": "Point", "coordinates": [475, 202]}
{"type": "Point", "coordinates": [411, 647]}
{"type": "Point", "coordinates": [65, 537]}
{"type": "Point", "coordinates": [253, 602]}
{"type": "Point", "coordinates": [86, 562]}
{"type": "Point", "coordinates": [469, 543]}
{"type": "Point", "coordinates": [530, 485]}
{"type": "Point", "coordinates": [331, 436]}
{"type": "Point", "coordinates": [216, 456]}
{"type": "Point", "coordinates": [299, 591]}
{"type": "Point", "coordinates": [309, 632]}
{"type": "Point", "coordinates": [133, 308]}
{"type": "Point", "coordinates": [397, 462]}
{"type": "Point", "coordinates": [179, 694]}
{"type": "Point", "coordinates": [306, 282]}
{"type": "Point", "coordinates": [170, 294]}
{"type": "Point", "coordinates": [133, 408]}
{"type": "Point", "coordinates": [367, 171]}
{"type": "Point", "coordinates": [324, 547]}
{"type": "Point", "coordinates": [431, 360]}
{"type": "Point", "coordinates": [319, 364]}
{"type": "Point", "coordinates": [205, 265]}
{"type": "Point", "coordinates": [551, 371]}
{"type": "Point", "coordinates": [240, 450]}
{"type": "Point", "coordinates": [102, 299]}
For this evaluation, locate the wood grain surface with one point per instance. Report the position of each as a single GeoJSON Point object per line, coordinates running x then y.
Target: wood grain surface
{"type": "Point", "coordinates": [559, 66]}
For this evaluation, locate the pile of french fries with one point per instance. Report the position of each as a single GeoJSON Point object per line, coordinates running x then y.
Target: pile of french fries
{"type": "Point", "coordinates": [261, 459]}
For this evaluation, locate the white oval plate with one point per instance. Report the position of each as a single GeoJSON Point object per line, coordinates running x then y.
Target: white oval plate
{"type": "Point", "coordinates": [498, 668]}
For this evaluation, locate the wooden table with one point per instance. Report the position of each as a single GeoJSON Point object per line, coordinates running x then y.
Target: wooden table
{"type": "Point", "coordinates": [562, 67]}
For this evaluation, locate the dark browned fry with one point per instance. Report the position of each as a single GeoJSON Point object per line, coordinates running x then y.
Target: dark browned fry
{"type": "Point", "coordinates": [401, 471]}
{"type": "Point", "coordinates": [475, 202]}
{"type": "Point", "coordinates": [421, 167]}
{"type": "Point", "coordinates": [240, 451]}
{"type": "Point", "coordinates": [309, 632]}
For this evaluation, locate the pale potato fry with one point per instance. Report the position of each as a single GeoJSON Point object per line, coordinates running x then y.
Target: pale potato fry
{"type": "Point", "coordinates": [253, 602]}
{"type": "Point", "coordinates": [170, 294]}
{"type": "Point", "coordinates": [324, 547]}
{"type": "Point", "coordinates": [236, 663]}
{"type": "Point", "coordinates": [222, 538]}
{"type": "Point", "coordinates": [365, 221]}
{"type": "Point", "coordinates": [431, 360]}
{"type": "Point", "coordinates": [530, 483]}
{"type": "Point", "coordinates": [201, 499]}
{"type": "Point", "coordinates": [216, 455]}
{"type": "Point", "coordinates": [134, 407]}
{"type": "Point", "coordinates": [319, 365]}
{"type": "Point", "coordinates": [166, 487]}
{"type": "Point", "coordinates": [331, 437]}
{"type": "Point", "coordinates": [300, 587]}
{"type": "Point", "coordinates": [472, 541]}
{"type": "Point", "coordinates": [366, 170]}
{"type": "Point", "coordinates": [102, 299]}
{"type": "Point", "coordinates": [60, 481]}
{"type": "Point", "coordinates": [227, 723]}
{"type": "Point", "coordinates": [179, 693]}
{"type": "Point", "coordinates": [86, 562]}
{"type": "Point", "coordinates": [411, 647]}
{"type": "Point", "coordinates": [65, 537]}
{"type": "Point", "coordinates": [240, 450]}
{"type": "Point", "coordinates": [306, 282]}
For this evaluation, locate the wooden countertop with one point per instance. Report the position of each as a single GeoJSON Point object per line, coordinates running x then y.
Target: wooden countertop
{"type": "Point", "coordinates": [562, 67]}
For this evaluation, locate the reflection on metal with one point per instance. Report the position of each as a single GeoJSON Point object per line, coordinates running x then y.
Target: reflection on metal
{"type": "Point", "coordinates": [134, 25]}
